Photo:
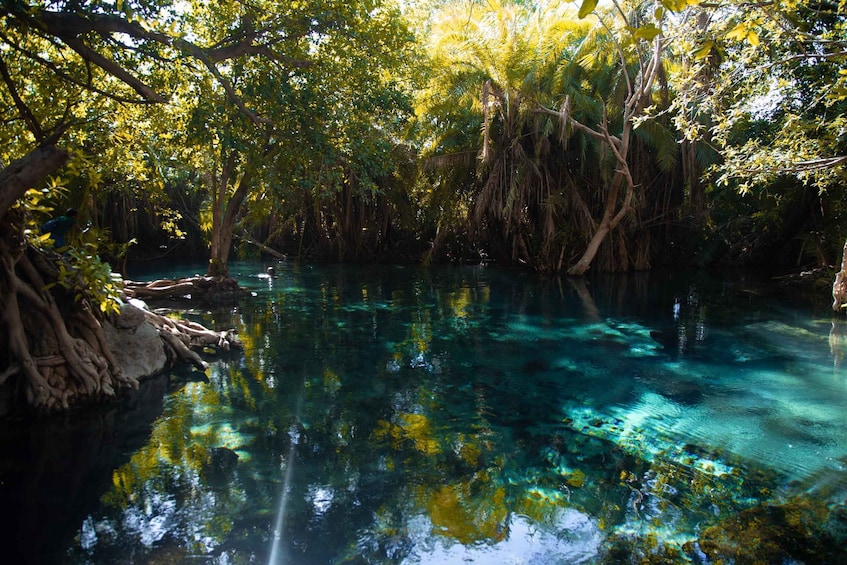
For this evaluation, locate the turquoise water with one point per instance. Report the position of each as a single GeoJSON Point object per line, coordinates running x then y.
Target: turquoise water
{"type": "Point", "coordinates": [401, 415]}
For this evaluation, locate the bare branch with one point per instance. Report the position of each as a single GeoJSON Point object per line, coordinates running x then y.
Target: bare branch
{"type": "Point", "coordinates": [200, 55]}
{"type": "Point", "coordinates": [580, 126]}
{"type": "Point", "coordinates": [113, 69]}
{"type": "Point", "coordinates": [820, 164]}
{"type": "Point", "coordinates": [52, 67]}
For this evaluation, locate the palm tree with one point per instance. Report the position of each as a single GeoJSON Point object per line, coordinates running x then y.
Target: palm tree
{"type": "Point", "coordinates": [628, 65]}
{"type": "Point", "coordinates": [486, 61]}
{"type": "Point", "coordinates": [541, 79]}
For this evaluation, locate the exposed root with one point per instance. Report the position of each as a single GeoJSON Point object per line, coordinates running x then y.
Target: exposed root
{"type": "Point", "coordinates": [58, 353]}
{"type": "Point", "coordinates": [184, 336]}
{"type": "Point", "coordinates": [202, 288]}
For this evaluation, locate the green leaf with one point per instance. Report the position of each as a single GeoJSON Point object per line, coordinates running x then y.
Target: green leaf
{"type": "Point", "coordinates": [587, 7]}
{"type": "Point", "coordinates": [679, 5]}
{"type": "Point", "coordinates": [648, 32]}
{"type": "Point", "coordinates": [839, 93]}
{"type": "Point", "coordinates": [739, 32]}
{"type": "Point", "coordinates": [704, 51]}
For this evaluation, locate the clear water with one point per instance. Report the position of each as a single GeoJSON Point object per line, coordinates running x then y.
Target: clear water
{"type": "Point", "coordinates": [401, 415]}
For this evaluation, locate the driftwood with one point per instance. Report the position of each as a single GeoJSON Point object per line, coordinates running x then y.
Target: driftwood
{"type": "Point", "coordinates": [196, 288]}
{"type": "Point", "coordinates": [269, 250]}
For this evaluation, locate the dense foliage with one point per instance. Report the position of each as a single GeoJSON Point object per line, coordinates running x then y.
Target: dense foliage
{"type": "Point", "coordinates": [552, 134]}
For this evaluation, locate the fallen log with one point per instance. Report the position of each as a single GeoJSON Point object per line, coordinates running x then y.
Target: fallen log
{"type": "Point", "coordinates": [269, 250]}
{"type": "Point", "coordinates": [196, 288]}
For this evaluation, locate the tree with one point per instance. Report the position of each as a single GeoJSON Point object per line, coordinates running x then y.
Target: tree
{"type": "Point", "coordinates": [336, 103]}
{"type": "Point", "coordinates": [554, 95]}
{"type": "Point", "coordinates": [640, 64]}
{"type": "Point", "coordinates": [62, 64]}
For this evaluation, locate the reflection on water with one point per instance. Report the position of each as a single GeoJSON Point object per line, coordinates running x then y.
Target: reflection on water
{"type": "Point", "coordinates": [398, 415]}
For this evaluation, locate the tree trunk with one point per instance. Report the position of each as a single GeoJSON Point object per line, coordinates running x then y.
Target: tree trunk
{"type": "Point", "coordinates": [581, 267]}
{"type": "Point", "coordinates": [219, 186]}
{"type": "Point", "coordinates": [222, 231]}
{"type": "Point", "coordinates": [27, 172]}
{"type": "Point", "coordinates": [639, 93]}
{"type": "Point", "coordinates": [609, 222]}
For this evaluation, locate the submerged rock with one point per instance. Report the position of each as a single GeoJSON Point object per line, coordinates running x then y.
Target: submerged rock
{"type": "Point", "coordinates": [684, 392]}
{"type": "Point", "coordinates": [801, 530]}
{"type": "Point", "coordinates": [644, 550]}
{"type": "Point", "coordinates": [220, 466]}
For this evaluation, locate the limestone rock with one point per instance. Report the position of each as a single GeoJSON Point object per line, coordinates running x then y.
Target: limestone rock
{"type": "Point", "coordinates": [136, 345]}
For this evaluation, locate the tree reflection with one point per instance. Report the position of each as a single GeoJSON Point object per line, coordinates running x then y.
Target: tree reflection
{"type": "Point", "coordinates": [395, 416]}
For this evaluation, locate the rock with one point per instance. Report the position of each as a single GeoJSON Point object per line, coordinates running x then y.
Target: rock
{"type": "Point", "coordinates": [132, 315]}
{"type": "Point", "coordinates": [135, 343]}
{"type": "Point", "coordinates": [797, 531]}
{"type": "Point", "coordinates": [220, 467]}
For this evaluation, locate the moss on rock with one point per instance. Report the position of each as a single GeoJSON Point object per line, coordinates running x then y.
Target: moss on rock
{"type": "Point", "coordinates": [801, 529]}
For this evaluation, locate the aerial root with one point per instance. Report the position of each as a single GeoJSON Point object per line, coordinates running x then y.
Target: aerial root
{"type": "Point", "coordinates": [58, 349]}
{"type": "Point", "coordinates": [184, 336]}
{"type": "Point", "coordinates": [59, 357]}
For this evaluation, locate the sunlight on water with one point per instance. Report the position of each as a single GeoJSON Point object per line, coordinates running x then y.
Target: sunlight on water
{"type": "Point", "coordinates": [278, 553]}
{"type": "Point", "coordinates": [398, 415]}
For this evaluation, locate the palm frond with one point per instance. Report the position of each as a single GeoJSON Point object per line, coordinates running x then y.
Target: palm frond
{"type": "Point", "coordinates": [662, 141]}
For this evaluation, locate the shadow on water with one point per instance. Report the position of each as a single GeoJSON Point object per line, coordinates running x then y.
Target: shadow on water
{"type": "Point", "coordinates": [55, 470]}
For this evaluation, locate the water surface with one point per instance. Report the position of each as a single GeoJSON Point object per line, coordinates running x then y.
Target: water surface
{"type": "Point", "coordinates": [402, 415]}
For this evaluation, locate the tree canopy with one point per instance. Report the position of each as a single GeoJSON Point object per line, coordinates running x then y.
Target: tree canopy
{"type": "Point", "coordinates": [290, 122]}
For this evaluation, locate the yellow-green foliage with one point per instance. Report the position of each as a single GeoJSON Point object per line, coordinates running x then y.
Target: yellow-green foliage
{"type": "Point", "coordinates": [80, 269]}
{"type": "Point", "coordinates": [85, 275]}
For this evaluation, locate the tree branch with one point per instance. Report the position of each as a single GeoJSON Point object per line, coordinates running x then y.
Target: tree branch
{"type": "Point", "coordinates": [27, 172]}
{"type": "Point", "coordinates": [69, 27]}
{"type": "Point", "coordinates": [820, 164]}
{"type": "Point", "coordinates": [23, 109]}
{"type": "Point", "coordinates": [113, 69]}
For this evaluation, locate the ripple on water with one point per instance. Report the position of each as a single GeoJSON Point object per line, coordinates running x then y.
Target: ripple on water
{"type": "Point", "coordinates": [571, 538]}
